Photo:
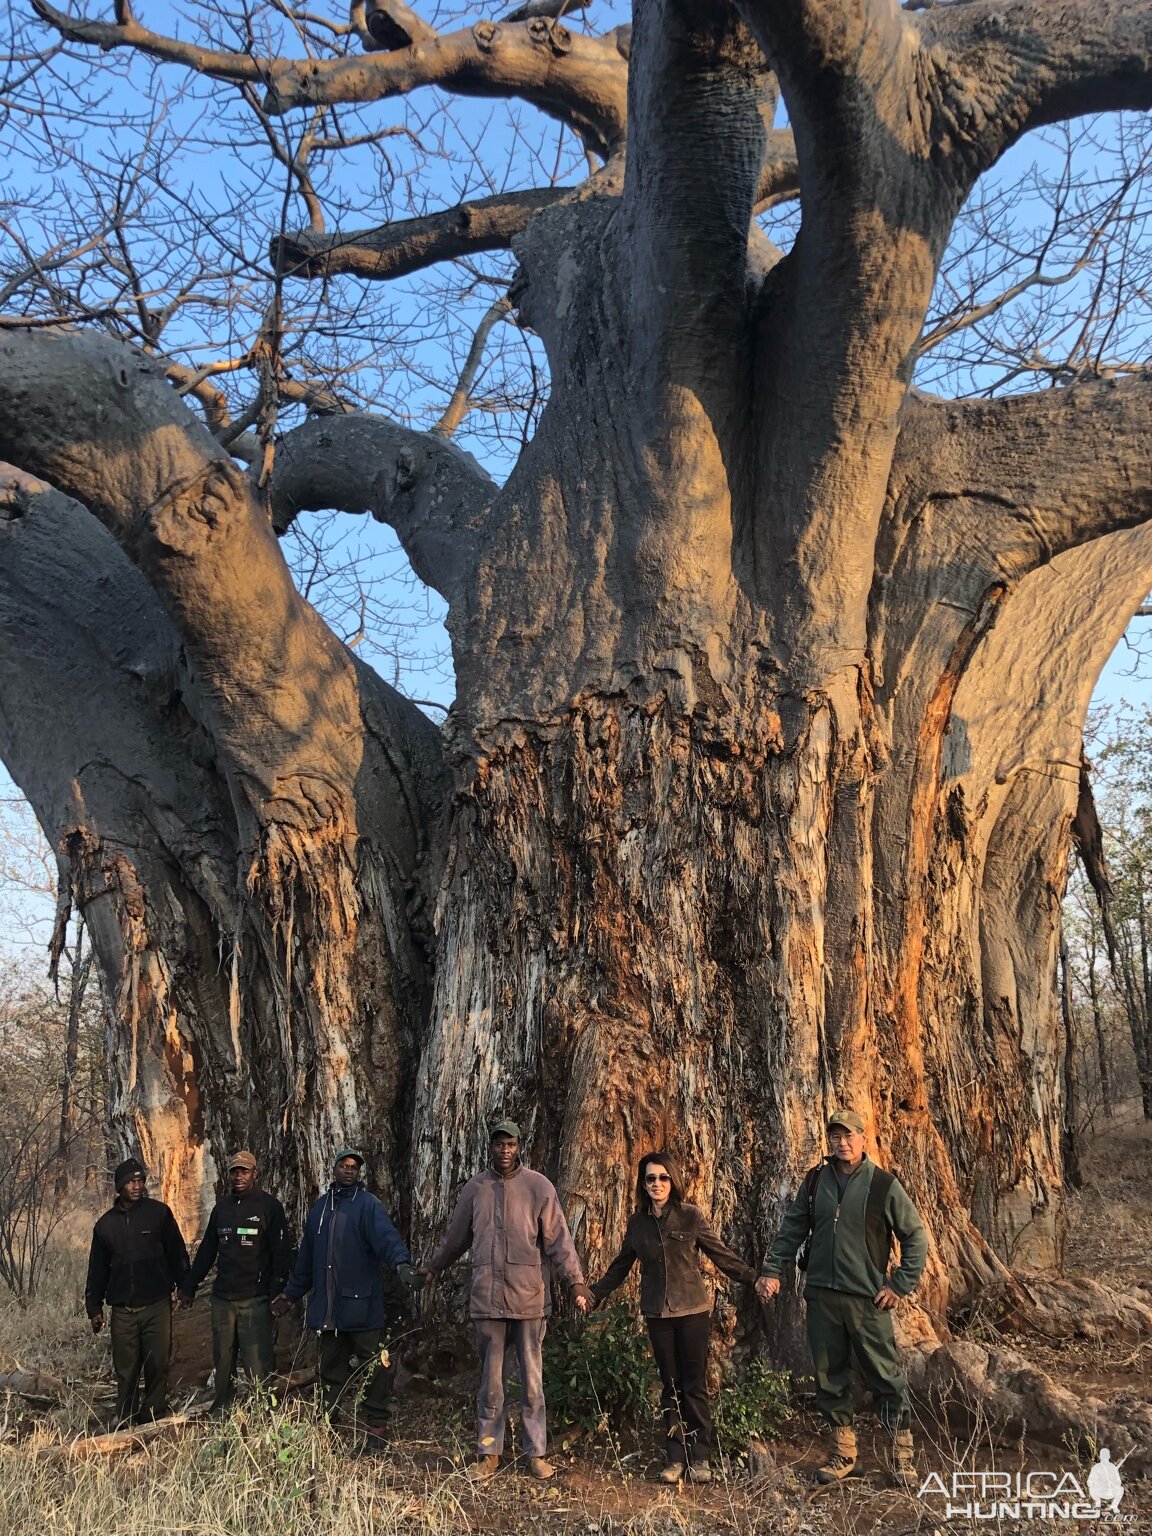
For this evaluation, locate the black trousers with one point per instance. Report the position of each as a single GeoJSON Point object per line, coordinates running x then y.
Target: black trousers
{"type": "Point", "coordinates": [680, 1347]}
{"type": "Point", "coordinates": [141, 1344]}
{"type": "Point", "coordinates": [241, 1330]}
{"type": "Point", "coordinates": [365, 1395]}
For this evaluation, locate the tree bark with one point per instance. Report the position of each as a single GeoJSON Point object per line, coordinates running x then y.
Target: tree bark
{"type": "Point", "coordinates": [771, 672]}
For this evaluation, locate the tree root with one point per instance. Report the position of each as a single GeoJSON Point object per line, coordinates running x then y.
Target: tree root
{"type": "Point", "coordinates": [994, 1386]}
{"type": "Point", "coordinates": [1061, 1307]}
{"type": "Point", "coordinates": [998, 1387]}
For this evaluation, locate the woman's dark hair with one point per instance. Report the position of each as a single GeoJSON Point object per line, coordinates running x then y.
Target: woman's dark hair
{"type": "Point", "coordinates": [671, 1168]}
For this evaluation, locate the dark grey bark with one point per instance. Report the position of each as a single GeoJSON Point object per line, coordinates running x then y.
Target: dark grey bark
{"type": "Point", "coordinates": [771, 673]}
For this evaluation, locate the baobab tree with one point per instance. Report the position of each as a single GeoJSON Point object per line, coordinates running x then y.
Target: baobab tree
{"type": "Point", "coordinates": [770, 669]}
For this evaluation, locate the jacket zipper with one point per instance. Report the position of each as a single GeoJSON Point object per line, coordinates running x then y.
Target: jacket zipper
{"type": "Point", "coordinates": [663, 1255]}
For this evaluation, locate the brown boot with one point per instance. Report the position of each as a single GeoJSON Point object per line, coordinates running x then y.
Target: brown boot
{"type": "Point", "coordinates": [904, 1473]}
{"type": "Point", "coordinates": [841, 1456]}
{"type": "Point", "coordinates": [540, 1469]}
{"type": "Point", "coordinates": [482, 1469]}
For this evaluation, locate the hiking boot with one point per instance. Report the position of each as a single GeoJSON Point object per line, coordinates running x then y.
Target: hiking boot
{"type": "Point", "coordinates": [904, 1473]}
{"type": "Point", "coordinates": [482, 1469]}
{"type": "Point", "coordinates": [841, 1456]}
{"type": "Point", "coordinates": [540, 1469]}
{"type": "Point", "coordinates": [375, 1441]}
{"type": "Point", "coordinates": [672, 1473]}
{"type": "Point", "coordinates": [701, 1472]}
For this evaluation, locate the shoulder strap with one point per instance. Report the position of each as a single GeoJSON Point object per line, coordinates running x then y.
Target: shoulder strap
{"type": "Point", "coordinates": [877, 1232]}
{"type": "Point", "coordinates": [811, 1180]}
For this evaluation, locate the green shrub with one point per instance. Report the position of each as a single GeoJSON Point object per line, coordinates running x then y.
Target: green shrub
{"type": "Point", "coordinates": [752, 1408]}
{"type": "Point", "coordinates": [598, 1372]}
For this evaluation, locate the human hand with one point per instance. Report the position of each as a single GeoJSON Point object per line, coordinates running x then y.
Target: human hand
{"type": "Point", "coordinates": [183, 1302]}
{"type": "Point", "coordinates": [766, 1287]}
{"type": "Point", "coordinates": [412, 1279]}
{"type": "Point", "coordinates": [885, 1298]}
{"type": "Point", "coordinates": [583, 1298]}
{"type": "Point", "coordinates": [280, 1305]}
{"type": "Point", "coordinates": [97, 1320]}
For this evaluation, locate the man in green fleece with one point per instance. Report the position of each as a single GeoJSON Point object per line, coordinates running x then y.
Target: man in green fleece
{"type": "Point", "coordinates": [844, 1218]}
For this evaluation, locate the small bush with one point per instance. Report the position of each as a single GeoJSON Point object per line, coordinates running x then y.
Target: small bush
{"type": "Point", "coordinates": [753, 1408]}
{"type": "Point", "coordinates": [598, 1373]}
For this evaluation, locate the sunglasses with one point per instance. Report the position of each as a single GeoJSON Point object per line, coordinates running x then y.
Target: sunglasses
{"type": "Point", "coordinates": [657, 1178]}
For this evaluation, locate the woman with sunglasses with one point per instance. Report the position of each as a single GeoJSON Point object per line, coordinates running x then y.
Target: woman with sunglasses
{"type": "Point", "coordinates": [667, 1235]}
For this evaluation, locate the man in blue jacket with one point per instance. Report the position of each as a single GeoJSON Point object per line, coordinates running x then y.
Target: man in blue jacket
{"type": "Point", "coordinates": [348, 1238]}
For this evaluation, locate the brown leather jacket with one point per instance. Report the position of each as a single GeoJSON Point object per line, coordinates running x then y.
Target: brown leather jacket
{"type": "Point", "coordinates": [671, 1282]}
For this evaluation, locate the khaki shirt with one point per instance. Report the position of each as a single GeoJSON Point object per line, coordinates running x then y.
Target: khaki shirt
{"type": "Point", "coordinates": [516, 1230]}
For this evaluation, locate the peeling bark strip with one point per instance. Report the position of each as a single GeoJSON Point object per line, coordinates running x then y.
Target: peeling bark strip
{"type": "Point", "coordinates": [326, 781]}
{"type": "Point", "coordinates": [754, 808]}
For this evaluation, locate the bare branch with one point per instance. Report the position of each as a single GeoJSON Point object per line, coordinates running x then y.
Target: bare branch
{"type": "Point", "coordinates": [390, 24]}
{"type": "Point", "coordinates": [432, 493]}
{"type": "Point", "coordinates": [1045, 472]}
{"type": "Point", "coordinates": [582, 81]}
{"type": "Point", "coordinates": [1019, 64]}
{"type": "Point", "coordinates": [393, 250]}
{"type": "Point", "coordinates": [457, 407]}
{"type": "Point", "coordinates": [546, 8]}
{"type": "Point", "coordinates": [130, 34]}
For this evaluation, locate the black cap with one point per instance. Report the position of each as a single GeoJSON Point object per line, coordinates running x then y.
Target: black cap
{"type": "Point", "coordinates": [130, 1168]}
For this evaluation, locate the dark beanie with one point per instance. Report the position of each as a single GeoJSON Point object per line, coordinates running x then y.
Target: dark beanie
{"type": "Point", "coordinates": [128, 1169]}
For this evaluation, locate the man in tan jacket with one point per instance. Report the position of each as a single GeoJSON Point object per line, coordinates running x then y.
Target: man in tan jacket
{"type": "Point", "coordinates": [512, 1220]}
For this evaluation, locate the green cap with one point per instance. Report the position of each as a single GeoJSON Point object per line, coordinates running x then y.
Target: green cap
{"type": "Point", "coordinates": [848, 1118]}
{"type": "Point", "coordinates": [349, 1152]}
{"type": "Point", "coordinates": [504, 1128]}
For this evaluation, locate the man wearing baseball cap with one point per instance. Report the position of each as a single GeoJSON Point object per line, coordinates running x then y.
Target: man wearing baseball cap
{"type": "Point", "coordinates": [136, 1259]}
{"type": "Point", "coordinates": [248, 1240]}
{"type": "Point", "coordinates": [513, 1221]}
{"type": "Point", "coordinates": [348, 1236]}
{"type": "Point", "coordinates": [841, 1225]}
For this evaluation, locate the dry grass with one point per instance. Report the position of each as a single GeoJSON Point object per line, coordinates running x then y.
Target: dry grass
{"type": "Point", "coordinates": [276, 1471]}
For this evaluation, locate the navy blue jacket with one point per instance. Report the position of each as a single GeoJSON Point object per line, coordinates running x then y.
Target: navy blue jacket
{"type": "Point", "coordinates": [347, 1240]}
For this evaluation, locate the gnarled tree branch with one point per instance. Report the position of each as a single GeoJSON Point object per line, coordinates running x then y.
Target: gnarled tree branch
{"type": "Point", "coordinates": [1020, 64]}
{"type": "Point", "coordinates": [282, 697]}
{"type": "Point", "coordinates": [431, 492]}
{"type": "Point", "coordinates": [582, 81]}
{"type": "Point", "coordinates": [699, 93]}
{"type": "Point", "coordinates": [1043, 472]}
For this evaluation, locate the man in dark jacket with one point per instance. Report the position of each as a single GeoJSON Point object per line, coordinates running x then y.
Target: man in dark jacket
{"type": "Point", "coordinates": [348, 1237]}
{"type": "Point", "coordinates": [136, 1260]}
{"type": "Point", "coordinates": [248, 1241]}
{"type": "Point", "coordinates": [847, 1211]}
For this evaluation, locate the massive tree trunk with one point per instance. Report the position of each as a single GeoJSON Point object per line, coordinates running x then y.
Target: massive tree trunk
{"type": "Point", "coordinates": [771, 672]}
